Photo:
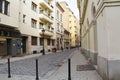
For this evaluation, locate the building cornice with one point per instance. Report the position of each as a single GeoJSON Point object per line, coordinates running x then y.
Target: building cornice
{"type": "Point", "coordinates": [59, 6]}
{"type": "Point", "coordinates": [78, 4]}
{"type": "Point", "coordinates": [84, 10]}
{"type": "Point", "coordinates": [106, 3]}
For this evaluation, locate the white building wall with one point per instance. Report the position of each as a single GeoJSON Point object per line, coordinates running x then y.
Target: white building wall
{"type": "Point", "coordinates": [102, 35]}
{"type": "Point", "coordinates": [113, 26]}
{"type": "Point", "coordinates": [12, 19]}
{"type": "Point", "coordinates": [26, 28]}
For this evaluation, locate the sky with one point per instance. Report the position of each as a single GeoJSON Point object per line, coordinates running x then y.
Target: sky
{"type": "Point", "coordinates": [73, 6]}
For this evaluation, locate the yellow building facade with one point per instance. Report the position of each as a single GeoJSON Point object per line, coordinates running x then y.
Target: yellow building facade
{"type": "Point", "coordinates": [70, 23]}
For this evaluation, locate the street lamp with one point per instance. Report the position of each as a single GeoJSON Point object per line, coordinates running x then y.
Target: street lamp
{"type": "Point", "coordinates": [43, 30]}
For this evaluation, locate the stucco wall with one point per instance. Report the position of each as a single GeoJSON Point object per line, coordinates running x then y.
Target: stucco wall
{"type": "Point", "coordinates": [12, 19]}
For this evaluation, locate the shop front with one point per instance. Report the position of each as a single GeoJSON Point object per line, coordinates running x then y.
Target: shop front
{"type": "Point", "coordinates": [10, 41]}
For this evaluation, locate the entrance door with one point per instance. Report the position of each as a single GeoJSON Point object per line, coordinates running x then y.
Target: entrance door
{"type": "Point", "coordinates": [9, 46]}
{"type": "Point", "coordinates": [24, 44]}
{"type": "Point", "coordinates": [2, 46]}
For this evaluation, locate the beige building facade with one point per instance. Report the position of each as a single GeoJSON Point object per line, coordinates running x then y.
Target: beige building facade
{"type": "Point", "coordinates": [59, 26]}
{"type": "Point", "coordinates": [99, 24]}
{"type": "Point", "coordinates": [21, 25]}
{"type": "Point", "coordinates": [9, 22]}
{"type": "Point", "coordinates": [36, 15]}
{"type": "Point", "coordinates": [71, 24]}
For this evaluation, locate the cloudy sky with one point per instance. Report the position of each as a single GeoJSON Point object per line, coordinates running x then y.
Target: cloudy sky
{"type": "Point", "coordinates": [73, 6]}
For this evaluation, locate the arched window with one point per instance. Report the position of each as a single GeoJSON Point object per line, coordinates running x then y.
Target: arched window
{"type": "Point", "coordinates": [93, 10]}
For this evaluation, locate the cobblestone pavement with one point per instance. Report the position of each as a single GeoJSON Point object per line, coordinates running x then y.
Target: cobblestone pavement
{"type": "Point", "coordinates": [76, 59]}
{"type": "Point", "coordinates": [47, 63]}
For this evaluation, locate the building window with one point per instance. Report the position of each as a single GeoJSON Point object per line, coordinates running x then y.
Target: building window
{"type": "Point", "coordinates": [33, 23]}
{"type": "Point", "coordinates": [34, 41]}
{"type": "Point", "coordinates": [57, 26]}
{"type": "Point", "coordinates": [40, 11]}
{"type": "Point", "coordinates": [53, 42]}
{"type": "Point", "coordinates": [24, 16]}
{"type": "Point", "coordinates": [24, 1]}
{"type": "Point", "coordinates": [93, 10]}
{"type": "Point", "coordinates": [40, 25]}
{"type": "Point", "coordinates": [61, 17]}
{"type": "Point", "coordinates": [41, 41]}
{"type": "Point", "coordinates": [57, 14]}
{"type": "Point", "coordinates": [34, 6]}
{"type": "Point", "coordinates": [4, 7]}
{"type": "Point", "coordinates": [48, 42]}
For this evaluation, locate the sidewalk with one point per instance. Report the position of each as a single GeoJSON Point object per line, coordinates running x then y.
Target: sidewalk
{"type": "Point", "coordinates": [76, 59]}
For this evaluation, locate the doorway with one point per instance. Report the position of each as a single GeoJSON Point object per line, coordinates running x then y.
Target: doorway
{"type": "Point", "coordinates": [9, 46]}
{"type": "Point", "coordinates": [24, 39]}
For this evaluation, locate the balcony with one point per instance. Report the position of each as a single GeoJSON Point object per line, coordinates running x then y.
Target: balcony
{"type": "Point", "coordinates": [47, 33]}
{"type": "Point", "coordinates": [45, 18]}
{"type": "Point", "coordinates": [66, 37]}
{"type": "Point", "coordinates": [46, 4]}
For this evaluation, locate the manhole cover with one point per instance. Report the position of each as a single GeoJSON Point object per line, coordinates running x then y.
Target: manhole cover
{"type": "Point", "coordinates": [85, 67]}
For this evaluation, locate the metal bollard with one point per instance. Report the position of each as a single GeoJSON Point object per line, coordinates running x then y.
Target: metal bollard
{"type": "Point", "coordinates": [9, 74]}
{"type": "Point", "coordinates": [37, 77]}
{"type": "Point", "coordinates": [69, 69]}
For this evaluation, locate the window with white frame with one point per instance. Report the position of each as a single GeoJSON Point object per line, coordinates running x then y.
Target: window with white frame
{"type": "Point", "coordinates": [4, 7]}
{"type": "Point", "coordinates": [34, 40]}
{"type": "Point", "coordinates": [34, 6]}
{"type": "Point", "coordinates": [33, 23]}
{"type": "Point", "coordinates": [57, 14]}
{"type": "Point", "coordinates": [24, 1]}
{"type": "Point", "coordinates": [48, 42]}
{"type": "Point", "coordinates": [40, 25]}
{"type": "Point", "coordinates": [57, 26]}
{"type": "Point", "coordinates": [24, 16]}
{"type": "Point", "coordinates": [61, 17]}
{"type": "Point", "coordinates": [41, 41]}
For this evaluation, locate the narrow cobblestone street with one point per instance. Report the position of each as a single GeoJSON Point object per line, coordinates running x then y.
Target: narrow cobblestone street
{"type": "Point", "coordinates": [53, 66]}
{"type": "Point", "coordinates": [47, 63]}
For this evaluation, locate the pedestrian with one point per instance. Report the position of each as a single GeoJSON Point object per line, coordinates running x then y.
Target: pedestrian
{"type": "Point", "coordinates": [62, 48]}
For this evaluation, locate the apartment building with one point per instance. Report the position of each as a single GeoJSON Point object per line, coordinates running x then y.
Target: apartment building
{"type": "Point", "coordinates": [74, 29]}
{"type": "Point", "coordinates": [36, 15]}
{"type": "Point", "coordinates": [99, 22]}
{"type": "Point", "coordinates": [59, 26]}
{"type": "Point", "coordinates": [66, 39]}
{"type": "Point", "coordinates": [10, 36]}
{"type": "Point", "coordinates": [70, 23]}
{"type": "Point", "coordinates": [65, 25]}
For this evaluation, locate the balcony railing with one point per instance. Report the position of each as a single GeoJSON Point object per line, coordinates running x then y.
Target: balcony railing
{"type": "Point", "coordinates": [46, 16]}
{"type": "Point", "coordinates": [47, 32]}
{"type": "Point", "coordinates": [47, 4]}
